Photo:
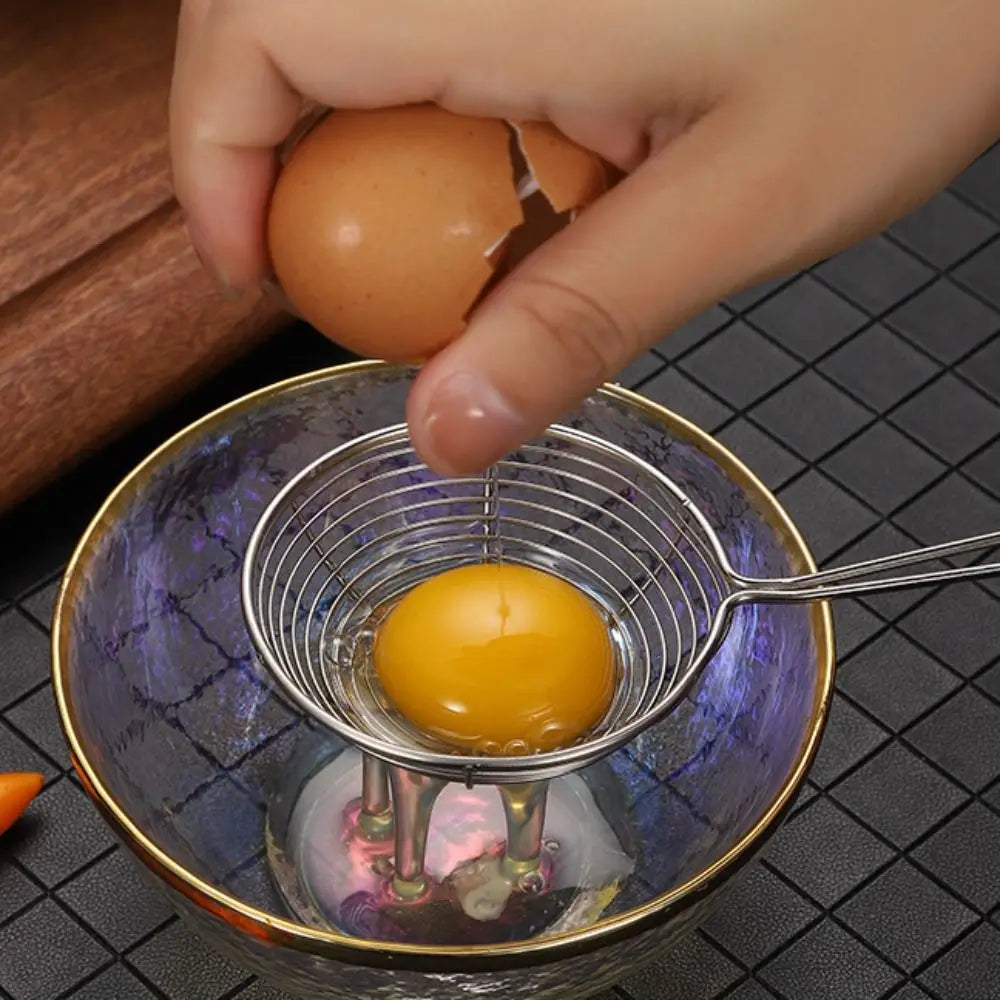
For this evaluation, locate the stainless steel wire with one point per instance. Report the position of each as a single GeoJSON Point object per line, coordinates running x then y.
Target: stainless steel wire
{"type": "Point", "coordinates": [355, 530]}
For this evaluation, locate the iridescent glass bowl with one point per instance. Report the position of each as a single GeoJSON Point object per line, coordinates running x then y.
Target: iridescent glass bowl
{"type": "Point", "coordinates": [195, 760]}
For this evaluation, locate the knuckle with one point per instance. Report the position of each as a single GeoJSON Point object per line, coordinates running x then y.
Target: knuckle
{"type": "Point", "coordinates": [594, 341]}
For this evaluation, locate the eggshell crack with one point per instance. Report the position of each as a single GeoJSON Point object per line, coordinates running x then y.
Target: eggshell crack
{"type": "Point", "coordinates": [569, 176]}
{"type": "Point", "coordinates": [387, 227]}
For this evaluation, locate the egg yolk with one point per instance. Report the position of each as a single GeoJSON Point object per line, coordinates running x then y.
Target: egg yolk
{"type": "Point", "coordinates": [497, 659]}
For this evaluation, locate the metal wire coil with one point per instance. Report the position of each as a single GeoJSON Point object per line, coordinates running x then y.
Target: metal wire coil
{"type": "Point", "coordinates": [365, 523]}
{"type": "Point", "coordinates": [350, 534]}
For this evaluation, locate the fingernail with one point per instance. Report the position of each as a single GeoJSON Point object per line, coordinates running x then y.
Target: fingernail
{"type": "Point", "coordinates": [197, 243]}
{"type": "Point", "coordinates": [270, 287]}
{"type": "Point", "coordinates": [230, 292]}
{"type": "Point", "coordinates": [468, 425]}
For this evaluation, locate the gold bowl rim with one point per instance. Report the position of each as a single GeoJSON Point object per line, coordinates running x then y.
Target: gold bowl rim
{"type": "Point", "coordinates": [331, 944]}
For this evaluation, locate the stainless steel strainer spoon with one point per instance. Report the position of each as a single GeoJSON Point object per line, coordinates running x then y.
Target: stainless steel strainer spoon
{"type": "Point", "coordinates": [366, 522]}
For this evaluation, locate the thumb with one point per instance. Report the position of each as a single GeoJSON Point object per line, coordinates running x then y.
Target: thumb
{"type": "Point", "coordinates": [693, 223]}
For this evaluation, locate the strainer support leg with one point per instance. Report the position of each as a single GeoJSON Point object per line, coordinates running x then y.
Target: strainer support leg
{"type": "Point", "coordinates": [376, 808]}
{"type": "Point", "coordinates": [524, 808]}
{"type": "Point", "coordinates": [413, 797]}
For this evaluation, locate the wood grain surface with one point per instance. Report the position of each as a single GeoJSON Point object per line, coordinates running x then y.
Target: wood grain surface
{"type": "Point", "coordinates": [105, 313]}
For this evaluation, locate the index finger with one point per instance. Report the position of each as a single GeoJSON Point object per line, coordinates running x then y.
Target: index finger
{"type": "Point", "coordinates": [241, 73]}
{"type": "Point", "coordinates": [225, 121]}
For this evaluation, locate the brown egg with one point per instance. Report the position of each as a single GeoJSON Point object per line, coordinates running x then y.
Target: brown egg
{"type": "Point", "coordinates": [386, 226]}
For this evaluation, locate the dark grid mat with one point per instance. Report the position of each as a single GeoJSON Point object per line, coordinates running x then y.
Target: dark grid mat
{"type": "Point", "coordinates": [867, 393]}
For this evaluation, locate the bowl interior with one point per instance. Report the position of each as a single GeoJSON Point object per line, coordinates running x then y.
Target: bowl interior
{"type": "Point", "coordinates": [170, 712]}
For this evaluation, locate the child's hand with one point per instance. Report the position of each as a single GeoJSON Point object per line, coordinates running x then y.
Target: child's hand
{"type": "Point", "coordinates": [759, 137]}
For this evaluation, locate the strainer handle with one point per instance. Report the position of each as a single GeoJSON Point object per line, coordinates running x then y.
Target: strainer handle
{"type": "Point", "coordinates": [866, 577]}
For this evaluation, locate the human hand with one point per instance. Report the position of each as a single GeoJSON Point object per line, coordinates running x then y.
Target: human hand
{"type": "Point", "coordinates": [756, 139]}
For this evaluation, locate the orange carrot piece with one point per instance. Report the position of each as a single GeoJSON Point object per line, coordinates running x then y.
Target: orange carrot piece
{"type": "Point", "coordinates": [16, 793]}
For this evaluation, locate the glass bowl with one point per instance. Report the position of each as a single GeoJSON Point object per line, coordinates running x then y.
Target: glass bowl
{"type": "Point", "coordinates": [196, 761]}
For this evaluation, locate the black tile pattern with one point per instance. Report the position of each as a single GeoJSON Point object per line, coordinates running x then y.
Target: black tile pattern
{"type": "Point", "coordinates": [19, 756]}
{"type": "Point", "coordinates": [37, 720]}
{"type": "Point", "coordinates": [811, 415]}
{"type": "Point", "coordinates": [693, 332]}
{"type": "Point", "coordinates": [25, 656]}
{"type": "Point", "coordinates": [984, 468]}
{"type": "Point", "coordinates": [807, 318]}
{"type": "Point", "coordinates": [639, 371]}
{"type": "Point", "coordinates": [879, 367]}
{"type": "Point", "coordinates": [899, 796]}
{"type": "Point", "coordinates": [965, 854]}
{"type": "Point", "coordinates": [876, 274]}
{"type": "Point", "coordinates": [259, 990]}
{"type": "Point", "coordinates": [962, 736]}
{"type": "Point", "coordinates": [949, 417]}
{"type": "Point", "coordinates": [866, 391]}
{"type": "Point", "coordinates": [850, 736]}
{"type": "Point", "coordinates": [65, 834]}
{"type": "Point", "coordinates": [764, 913]}
{"type": "Point", "coordinates": [117, 983]}
{"type": "Point", "coordinates": [674, 389]}
{"type": "Point", "coordinates": [828, 515]}
{"type": "Point", "coordinates": [849, 852]}
{"type": "Point", "coordinates": [979, 183]}
{"type": "Point", "coordinates": [884, 540]}
{"type": "Point", "coordinates": [115, 901]}
{"type": "Point", "coordinates": [983, 368]}
{"type": "Point", "coordinates": [40, 970]}
{"type": "Point", "coordinates": [894, 680]}
{"type": "Point", "coordinates": [770, 461]}
{"type": "Point", "coordinates": [749, 990]}
{"type": "Point", "coordinates": [989, 681]}
{"type": "Point", "coordinates": [854, 624]}
{"type": "Point", "coordinates": [910, 992]}
{"type": "Point", "coordinates": [180, 965]}
{"type": "Point", "coordinates": [932, 920]}
{"type": "Point", "coordinates": [739, 365]}
{"type": "Point", "coordinates": [945, 230]}
{"type": "Point", "coordinates": [749, 297]}
{"type": "Point", "coordinates": [981, 273]}
{"type": "Point", "coordinates": [17, 891]}
{"type": "Point", "coordinates": [884, 468]}
{"type": "Point", "coordinates": [952, 508]}
{"type": "Point", "coordinates": [829, 964]}
{"type": "Point", "coordinates": [945, 321]}
{"type": "Point", "coordinates": [41, 603]}
{"type": "Point", "coordinates": [693, 971]}
{"type": "Point", "coordinates": [959, 625]}
{"type": "Point", "coordinates": [969, 969]}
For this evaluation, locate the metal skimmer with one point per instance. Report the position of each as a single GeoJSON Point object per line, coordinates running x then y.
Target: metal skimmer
{"type": "Point", "coordinates": [355, 530]}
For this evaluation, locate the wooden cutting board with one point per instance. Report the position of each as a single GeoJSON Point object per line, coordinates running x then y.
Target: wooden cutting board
{"type": "Point", "coordinates": [105, 312]}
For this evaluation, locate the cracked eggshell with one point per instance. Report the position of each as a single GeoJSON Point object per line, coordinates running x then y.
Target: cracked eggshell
{"type": "Point", "coordinates": [386, 226]}
{"type": "Point", "coordinates": [381, 224]}
{"type": "Point", "coordinates": [569, 176]}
